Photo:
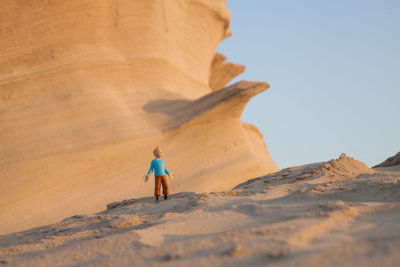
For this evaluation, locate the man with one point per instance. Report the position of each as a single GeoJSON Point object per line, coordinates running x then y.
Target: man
{"type": "Point", "coordinates": [160, 171]}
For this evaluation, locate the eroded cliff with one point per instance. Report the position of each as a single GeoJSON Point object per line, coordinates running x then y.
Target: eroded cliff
{"type": "Point", "coordinates": [89, 88]}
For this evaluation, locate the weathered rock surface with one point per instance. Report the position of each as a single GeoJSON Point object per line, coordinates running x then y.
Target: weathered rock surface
{"type": "Point", "coordinates": [223, 72]}
{"type": "Point", "coordinates": [389, 162]}
{"type": "Point", "coordinates": [89, 88]}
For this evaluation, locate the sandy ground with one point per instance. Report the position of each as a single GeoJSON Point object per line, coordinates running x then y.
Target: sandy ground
{"type": "Point", "coordinates": [336, 213]}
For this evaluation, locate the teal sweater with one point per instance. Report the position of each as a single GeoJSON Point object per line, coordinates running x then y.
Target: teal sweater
{"type": "Point", "coordinates": [158, 165]}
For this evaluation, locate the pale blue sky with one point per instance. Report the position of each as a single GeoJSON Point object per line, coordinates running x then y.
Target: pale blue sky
{"type": "Point", "coordinates": [334, 71]}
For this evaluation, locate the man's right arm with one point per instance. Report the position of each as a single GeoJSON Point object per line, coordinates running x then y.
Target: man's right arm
{"type": "Point", "coordinates": [146, 177]}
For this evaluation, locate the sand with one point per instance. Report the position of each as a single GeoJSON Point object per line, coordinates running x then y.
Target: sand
{"type": "Point", "coordinates": [335, 213]}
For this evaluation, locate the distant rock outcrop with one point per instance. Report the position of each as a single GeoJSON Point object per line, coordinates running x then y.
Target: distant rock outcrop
{"type": "Point", "coordinates": [89, 88]}
{"type": "Point", "coordinates": [392, 161]}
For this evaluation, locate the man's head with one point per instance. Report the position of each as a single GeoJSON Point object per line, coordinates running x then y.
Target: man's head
{"type": "Point", "coordinates": [157, 152]}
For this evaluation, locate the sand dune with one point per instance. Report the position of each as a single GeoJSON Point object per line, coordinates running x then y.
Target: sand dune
{"type": "Point", "coordinates": [89, 88]}
{"type": "Point", "coordinates": [330, 213]}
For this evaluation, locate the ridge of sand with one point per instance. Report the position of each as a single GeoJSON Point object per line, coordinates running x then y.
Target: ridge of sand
{"type": "Point", "coordinates": [393, 161]}
{"type": "Point", "coordinates": [338, 213]}
{"type": "Point", "coordinates": [89, 88]}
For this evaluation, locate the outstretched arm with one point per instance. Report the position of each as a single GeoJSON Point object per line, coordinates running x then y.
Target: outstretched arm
{"type": "Point", "coordinates": [146, 177]}
{"type": "Point", "coordinates": [151, 168]}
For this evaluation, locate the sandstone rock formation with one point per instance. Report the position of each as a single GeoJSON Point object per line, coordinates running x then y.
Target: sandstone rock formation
{"type": "Point", "coordinates": [89, 88]}
{"type": "Point", "coordinates": [223, 72]}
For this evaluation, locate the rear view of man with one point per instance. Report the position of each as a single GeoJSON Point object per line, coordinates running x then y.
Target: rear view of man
{"type": "Point", "coordinates": [160, 172]}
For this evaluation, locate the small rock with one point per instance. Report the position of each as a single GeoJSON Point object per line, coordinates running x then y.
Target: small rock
{"type": "Point", "coordinates": [342, 156]}
{"type": "Point", "coordinates": [339, 204]}
{"type": "Point", "coordinates": [172, 256]}
{"type": "Point", "coordinates": [278, 254]}
{"type": "Point", "coordinates": [234, 250]}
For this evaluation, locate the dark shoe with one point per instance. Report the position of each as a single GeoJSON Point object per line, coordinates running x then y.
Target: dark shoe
{"type": "Point", "coordinates": [165, 197]}
{"type": "Point", "coordinates": [157, 198]}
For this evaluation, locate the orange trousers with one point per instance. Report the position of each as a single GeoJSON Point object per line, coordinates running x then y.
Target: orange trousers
{"type": "Point", "coordinates": [161, 180]}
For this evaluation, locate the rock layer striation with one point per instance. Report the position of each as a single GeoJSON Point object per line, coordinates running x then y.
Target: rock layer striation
{"type": "Point", "coordinates": [89, 88]}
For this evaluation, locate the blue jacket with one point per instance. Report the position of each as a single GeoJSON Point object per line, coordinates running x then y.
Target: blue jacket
{"type": "Point", "coordinates": [158, 165]}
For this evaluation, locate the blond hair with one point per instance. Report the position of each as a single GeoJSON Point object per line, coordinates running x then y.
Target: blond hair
{"type": "Point", "coordinates": [156, 152]}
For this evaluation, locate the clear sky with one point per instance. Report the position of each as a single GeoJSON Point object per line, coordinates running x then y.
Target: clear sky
{"type": "Point", "coordinates": [334, 71]}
